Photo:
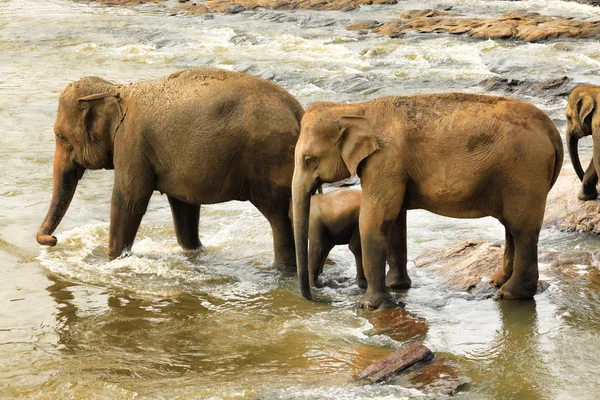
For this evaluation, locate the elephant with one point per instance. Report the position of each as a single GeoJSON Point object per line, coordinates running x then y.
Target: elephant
{"type": "Point", "coordinates": [455, 154]}
{"type": "Point", "coordinates": [334, 221]}
{"type": "Point", "coordinates": [198, 136]}
{"type": "Point", "coordinates": [583, 120]}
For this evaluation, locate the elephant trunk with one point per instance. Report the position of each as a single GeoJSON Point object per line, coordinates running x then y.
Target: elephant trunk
{"type": "Point", "coordinates": [66, 176]}
{"type": "Point", "coordinates": [572, 141]}
{"type": "Point", "coordinates": [301, 193]}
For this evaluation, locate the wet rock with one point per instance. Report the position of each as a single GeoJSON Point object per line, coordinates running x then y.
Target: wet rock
{"type": "Point", "coordinates": [398, 324]}
{"type": "Point", "coordinates": [234, 7]}
{"type": "Point", "coordinates": [244, 39]}
{"type": "Point", "coordinates": [126, 2]}
{"type": "Point", "coordinates": [560, 86]}
{"type": "Point", "coordinates": [525, 26]}
{"type": "Point", "coordinates": [566, 212]}
{"type": "Point", "coordinates": [436, 377]}
{"type": "Point", "coordinates": [468, 266]}
{"type": "Point", "coordinates": [408, 355]}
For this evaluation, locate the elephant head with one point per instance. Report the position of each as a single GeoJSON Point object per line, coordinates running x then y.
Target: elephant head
{"type": "Point", "coordinates": [333, 141]}
{"type": "Point", "coordinates": [88, 115]}
{"type": "Point", "coordinates": [583, 120]}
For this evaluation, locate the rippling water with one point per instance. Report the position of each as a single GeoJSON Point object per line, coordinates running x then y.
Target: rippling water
{"type": "Point", "coordinates": [165, 323]}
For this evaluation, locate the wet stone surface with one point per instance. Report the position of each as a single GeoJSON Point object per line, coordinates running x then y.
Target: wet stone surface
{"type": "Point", "coordinates": [524, 26]}
{"type": "Point", "coordinates": [237, 6]}
{"type": "Point", "coordinates": [566, 212]}
{"type": "Point", "coordinates": [408, 355]}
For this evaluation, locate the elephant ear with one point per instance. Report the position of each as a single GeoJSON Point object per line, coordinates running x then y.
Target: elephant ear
{"type": "Point", "coordinates": [101, 116]}
{"type": "Point", "coordinates": [356, 140]}
{"type": "Point", "coordinates": [584, 107]}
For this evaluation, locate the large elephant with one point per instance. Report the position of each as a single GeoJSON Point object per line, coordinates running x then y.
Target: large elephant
{"type": "Point", "coordinates": [583, 119]}
{"type": "Point", "coordinates": [454, 154]}
{"type": "Point", "coordinates": [201, 137]}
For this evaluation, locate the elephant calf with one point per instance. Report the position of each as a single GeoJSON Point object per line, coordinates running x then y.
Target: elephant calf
{"type": "Point", "coordinates": [200, 137]}
{"type": "Point", "coordinates": [334, 221]}
{"type": "Point", "coordinates": [455, 154]}
{"type": "Point", "coordinates": [583, 119]}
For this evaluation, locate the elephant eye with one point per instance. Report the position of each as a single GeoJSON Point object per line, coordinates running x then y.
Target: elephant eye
{"type": "Point", "coordinates": [61, 137]}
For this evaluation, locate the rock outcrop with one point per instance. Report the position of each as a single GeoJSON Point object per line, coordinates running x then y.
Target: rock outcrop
{"type": "Point", "coordinates": [237, 6]}
{"type": "Point", "coordinates": [566, 212]}
{"type": "Point", "coordinates": [525, 26]}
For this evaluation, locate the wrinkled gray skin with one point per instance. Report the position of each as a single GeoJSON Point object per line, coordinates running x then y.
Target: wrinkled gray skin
{"type": "Point", "coordinates": [583, 119]}
{"type": "Point", "coordinates": [200, 137]}
{"type": "Point", "coordinates": [455, 154]}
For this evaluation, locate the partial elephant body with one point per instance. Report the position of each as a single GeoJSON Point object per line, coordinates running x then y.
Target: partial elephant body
{"type": "Point", "coordinates": [583, 119]}
{"type": "Point", "coordinates": [334, 221]}
{"type": "Point", "coordinates": [458, 155]}
{"type": "Point", "coordinates": [201, 137]}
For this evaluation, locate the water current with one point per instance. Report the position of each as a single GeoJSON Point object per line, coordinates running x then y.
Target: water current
{"type": "Point", "coordinates": [165, 323]}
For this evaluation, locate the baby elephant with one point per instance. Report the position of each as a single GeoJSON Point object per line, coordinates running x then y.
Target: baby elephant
{"type": "Point", "coordinates": [334, 221]}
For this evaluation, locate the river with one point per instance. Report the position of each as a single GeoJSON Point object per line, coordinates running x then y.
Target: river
{"type": "Point", "coordinates": [164, 323]}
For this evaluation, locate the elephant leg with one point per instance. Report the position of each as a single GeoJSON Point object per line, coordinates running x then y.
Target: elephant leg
{"type": "Point", "coordinates": [523, 282]}
{"type": "Point", "coordinates": [126, 212]}
{"type": "Point", "coordinates": [589, 190]}
{"type": "Point", "coordinates": [523, 219]}
{"type": "Point", "coordinates": [317, 254]}
{"type": "Point", "coordinates": [186, 217]}
{"type": "Point", "coordinates": [376, 218]}
{"type": "Point", "coordinates": [283, 236]}
{"type": "Point", "coordinates": [505, 272]}
{"type": "Point", "coordinates": [397, 276]}
{"type": "Point", "coordinates": [356, 249]}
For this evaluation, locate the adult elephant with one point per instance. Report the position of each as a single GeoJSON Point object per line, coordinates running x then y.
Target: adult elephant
{"type": "Point", "coordinates": [455, 154]}
{"type": "Point", "coordinates": [201, 137]}
{"type": "Point", "coordinates": [583, 119]}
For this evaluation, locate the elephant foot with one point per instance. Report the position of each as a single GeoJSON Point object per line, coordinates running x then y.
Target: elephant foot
{"type": "Point", "coordinates": [499, 278]}
{"type": "Point", "coordinates": [372, 300]}
{"type": "Point", "coordinates": [397, 283]}
{"type": "Point", "coordinates": [586, 195]}
{"type": "Point", "coordinates": [284, 266]}
{"type": "Point", "coordinates": [362, 282]}
{"type": "Point", "coordinates": [314, 281]}
{"type": "Point", "coordinates": [518, 291]}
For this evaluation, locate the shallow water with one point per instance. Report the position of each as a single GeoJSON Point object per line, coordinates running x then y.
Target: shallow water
{"type": "Point", "coordinates": [165, 323]}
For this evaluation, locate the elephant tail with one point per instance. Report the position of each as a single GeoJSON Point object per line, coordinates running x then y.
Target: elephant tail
{"type": "Point", "coordinates": [559, 155]}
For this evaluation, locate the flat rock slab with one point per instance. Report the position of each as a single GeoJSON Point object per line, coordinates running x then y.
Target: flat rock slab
{"type": "Point", "coordinates": [525, 26]}
{"type": "Point", "coordinates": [410, 354]}
{"type": "Point", "coordinates": [469, 265]}
{"type": "Point", "coordinates": [237, 6]}
{"type": "Point", "coordinates": [566, 212]}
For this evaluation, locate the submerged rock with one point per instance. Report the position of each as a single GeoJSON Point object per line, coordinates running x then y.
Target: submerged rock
{"type": "Point", "coordinates": [526, 26]}
{"type": "Point", "coordinates": [566, 212]}
{"type": "Point", "coordinates": [398, 324]}
{"type": "Point", "coordinates": [408, 355]}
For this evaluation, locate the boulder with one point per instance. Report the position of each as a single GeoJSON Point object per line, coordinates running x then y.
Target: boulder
{"type": "Point", "coordinates": [525, 26]}
{"type": "Point", "coordinates": [566, 212]}
{"type": "Point", "coordinates": [408, 355]}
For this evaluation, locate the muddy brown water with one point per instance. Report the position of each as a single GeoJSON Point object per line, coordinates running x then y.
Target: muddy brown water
{"type": "Point", "coordinates": [164, 323]}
